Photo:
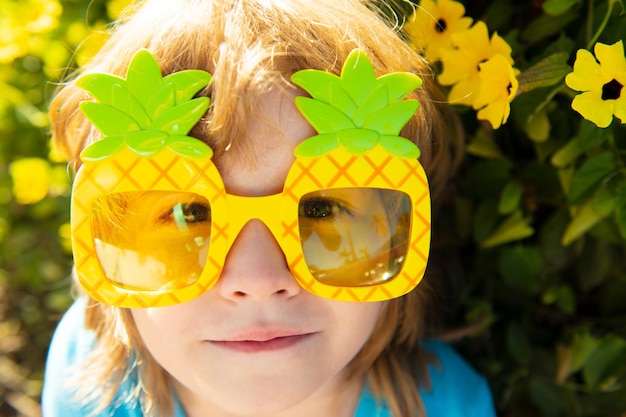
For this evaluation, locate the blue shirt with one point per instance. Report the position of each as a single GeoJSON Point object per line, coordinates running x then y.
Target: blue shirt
{"type": "Point", "coordinates": [457, 390]}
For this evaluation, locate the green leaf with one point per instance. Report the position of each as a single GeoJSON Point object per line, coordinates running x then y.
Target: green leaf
{"type": "Point", "coordinates": [399, 84]}
{"type": "Point", "coordinates": [596, 260]}
{"type": "Point", "coordinates": [103, 148]}
{"type": "Point", "coordinates": [620, 208]}
{"type": "Point", "coordinates": [591, 136]}
{"type": "Point", "coordinates": [537, 126]}
{"type": "Point", "coordinates": [189, 147]}
{"type": "Point", "coordinates": [547, 397]}
{"type": "Point", "coordinates": [128, 104]}
{"type": "Point", "coordinates": [528, 105]}
{"type": "Point", "coordinates": [517, 343]}
{"type": "Point", "coordinates": [180, 119]}
{"type": "Point", "coordinates": [562, 296]}
{"type": "Point", "coordinates": [376, 101]}
{"type": "Point", "coordinates": [187, 83]}
{"type": "Point", "coordinates": [357, 76]}
{"type": "Point", "coordinates": [486, 178]}
{"type": "Point", "coordinates": [397, 145]}
{"type": "Point", "coordinates": [147, 142]}
{"type": "Point", "coordinates": [585, 217]}
{"type": "Point", "coordinates": [144, 76]}
{"type": "Point", "coordinates": [316, 146]}
{"type": "Point", "coordinates": [545, 73]}
{"type": "Point", "coordinates": [358, 141]}
{"type": "Point", "coordinates": [484, 145]}
{"type": "Point", "coordinates": [101, 86]}
{"type": "Point", "coordinates": [520, 266]}
{"type": "Point", "coordinates": [546, 26]}
{"type": "Point", "coordinates": [558, 7]}
{"type": "Point", "coordinates": [485, 220]}
{"type": "Point", "coordinates": [604, 202]}
{"type": "Point", "coordinates": [319, 84]}
{"type": "Point", "coordinates": [567, 154]}
{"type": "Point", "coordinates": [391, 119]}
{"type": "Point", "coordinates": [591, 173]}
{"type": "Point", "coordinates": [606, 362]}
{"type": "Point", "coordinates": [514, 227]}
{"type": "Point", "coordinates": [323, 117]}
{"type": "Point", "coordinates": [510, 198]}
{"type": "Point", "coordinates": [582, 348]}
{"type": "Point", "coordinates": [109, 120]}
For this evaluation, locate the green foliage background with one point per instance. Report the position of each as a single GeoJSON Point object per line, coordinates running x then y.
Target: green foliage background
{"type": "Point", "coordinates": [536, 288]}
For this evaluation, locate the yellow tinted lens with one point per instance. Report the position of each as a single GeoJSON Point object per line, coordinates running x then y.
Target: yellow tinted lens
{"type": "Point", "coordinates": [354, 237]}
{"type": "Point", "coordinates": [151, 240]}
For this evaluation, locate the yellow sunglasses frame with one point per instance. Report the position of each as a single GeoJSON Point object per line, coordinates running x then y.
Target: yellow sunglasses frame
{"type": "Point", "coordinates": [168, 171]}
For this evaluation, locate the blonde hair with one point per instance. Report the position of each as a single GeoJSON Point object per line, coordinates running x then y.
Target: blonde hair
{"type": "Point", "coordinates": [248, 46]}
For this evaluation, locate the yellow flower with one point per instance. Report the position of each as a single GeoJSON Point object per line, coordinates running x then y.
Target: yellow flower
{"type": "Point", "coordinates": [499, 87]}
{"type": "Point", "coordinates": [116, 8]}
{"type": "Point", "coordinates": [95, 37]}
{"type": "Point", "coordinates": [55, 58]}
{"type": "Point", "coordinates": [22, 24]}
{"type": "Point", "coordinates": [601, 80]}
{"type": "Point", "coordinates": [40, 16]}
{"type": "Point", "coordinates": [462, 64]}
{"type": "Point", "coordinates": [86, 39]}
{"type": "Point", "coordinates": [31, 178]}
{"type": "Point", "coordinates": [431, 27]}
{"type": "Point", "coordinates": [65, 237]}
{"type": "Point", "coordinates": [13, 37]}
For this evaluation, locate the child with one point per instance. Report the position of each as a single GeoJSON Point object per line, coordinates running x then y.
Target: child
{"type": "Point", "coordinates": [203, 303]}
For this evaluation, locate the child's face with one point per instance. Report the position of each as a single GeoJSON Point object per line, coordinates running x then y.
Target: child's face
{"type": "Point", "coordinates": [256, 343]}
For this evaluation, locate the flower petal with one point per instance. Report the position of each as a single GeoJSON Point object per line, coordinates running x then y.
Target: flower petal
{"type": "Point", "coordinates": [591, 106]}
{"type": "Point", "coordinates": [474, 40]}
{"type": "Point", "coordinates": [611, 58]}
{"type": "Point", "coordinates": [620, 107]}
{"type": "Point", "coordinates": [586, 75]}
{"type": "Point", "coordinates": [458, 64]}
{"type": "Point", "coordinates": [465, 91]}
{"type": "Point", "coordinates": [430, 28]}
{"type": "Point", "coordinates": [31, 179]}
{"type": "Point", "coordinates": [498, 81]}
{"type": "Point", "coordinates": [498, 88]}
{"type": "Point", "coordinates": [499, 46]}
{"type": "Point", "coordinates": [496, 112]}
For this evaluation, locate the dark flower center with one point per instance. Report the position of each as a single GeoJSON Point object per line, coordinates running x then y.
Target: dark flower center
{"type": "Point", "coordinates": [611, 90]}
{"type": "Point", "coordinates": [441, 26]}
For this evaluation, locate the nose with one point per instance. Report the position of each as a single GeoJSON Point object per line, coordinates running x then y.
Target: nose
{"type": "Point", "coordinates": [255, 267]}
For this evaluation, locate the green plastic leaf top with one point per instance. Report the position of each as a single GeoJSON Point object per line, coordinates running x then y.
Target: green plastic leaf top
{"type": "Point", "coordinates": [145, 111]}
{"type": "Point", "coordinates": [357, 110]}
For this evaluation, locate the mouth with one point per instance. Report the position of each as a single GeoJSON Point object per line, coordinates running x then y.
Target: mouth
{"type": "Point", "coordinates": [262, 344]}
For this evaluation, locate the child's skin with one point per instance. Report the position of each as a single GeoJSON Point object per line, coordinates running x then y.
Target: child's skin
{"type": "Point", "coordinates": [257, 344]}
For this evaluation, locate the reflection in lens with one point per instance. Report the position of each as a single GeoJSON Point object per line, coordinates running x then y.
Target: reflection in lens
{"type": "Point", "coordinates": [354, 236]}
{"type": "Point", "coordinates": [152, 240]}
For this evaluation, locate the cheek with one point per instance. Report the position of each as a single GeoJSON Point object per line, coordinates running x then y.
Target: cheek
{"type": "Point", "coordinates": [356, 322]}
{"type": "Point", "coordinates": [163, 330]}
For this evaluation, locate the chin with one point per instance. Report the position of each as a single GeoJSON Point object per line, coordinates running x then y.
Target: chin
{"type": "Point", "coordinates": [252, 399]}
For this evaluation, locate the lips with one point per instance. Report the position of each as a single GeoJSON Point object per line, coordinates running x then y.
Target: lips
{"type": "Point", "coordinates": [264, 341]}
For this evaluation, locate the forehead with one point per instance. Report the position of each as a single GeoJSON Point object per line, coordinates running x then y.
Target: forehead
{"type": "Point", "coordinates": [260, 165]}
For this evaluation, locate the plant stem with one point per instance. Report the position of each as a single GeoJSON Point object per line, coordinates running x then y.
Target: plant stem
{"type": "Point", "coordinates": [607, 15]}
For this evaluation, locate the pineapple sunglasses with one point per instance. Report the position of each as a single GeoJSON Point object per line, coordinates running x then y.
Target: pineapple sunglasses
{"type": "Point", "coordinates": [152, 223]}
